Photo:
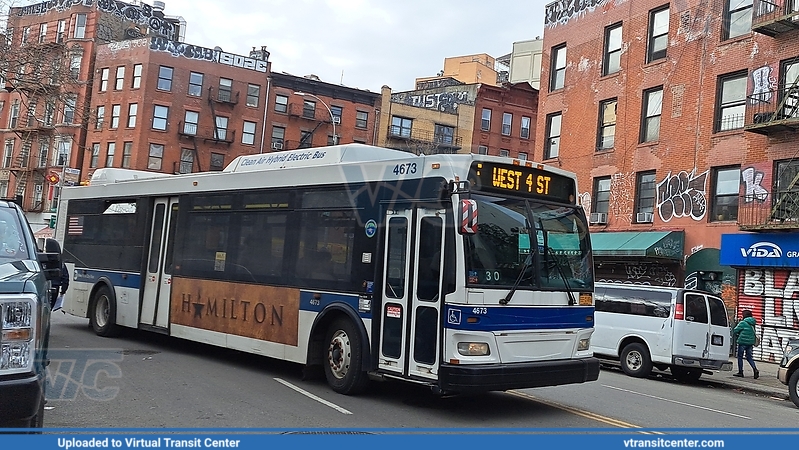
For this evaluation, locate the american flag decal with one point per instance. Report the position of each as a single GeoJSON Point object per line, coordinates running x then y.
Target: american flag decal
{"type": "Point", "coordinates": [75, 226]}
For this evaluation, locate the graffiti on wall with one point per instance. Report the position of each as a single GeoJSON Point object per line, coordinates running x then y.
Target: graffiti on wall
{"type": "Point", "coordinates": [561, 11]}
{"type": "Point", "coordinates": [446, 102]}
{"type": "Point", "coordinates": [682, 195]}
{"type": "Point", "coordinates": [773, 297]}
{"type": "Point", "coordinates": [622, 193]}
{"type": "Point", "coordinates": [437, 83]}
{"type": "Point", "coordinates": [180, 49]}
{"type": "Point", "coordinates": [636, 273]}
{"type": "Point", "coordinates": [763, 83]}
{"type": "Point", "coordinates": [584, 200]}
{"type": "Point", "coordinates": [754, 190]}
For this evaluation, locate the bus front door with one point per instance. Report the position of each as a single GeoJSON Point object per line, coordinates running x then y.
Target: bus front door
{"type": "Point", "coordinates": [158, 274]}
{"type": "Point", "coordinates": [412, 267]}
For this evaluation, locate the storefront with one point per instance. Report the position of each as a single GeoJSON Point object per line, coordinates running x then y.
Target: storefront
{"type": "Point", "coordinates": [647, 257]}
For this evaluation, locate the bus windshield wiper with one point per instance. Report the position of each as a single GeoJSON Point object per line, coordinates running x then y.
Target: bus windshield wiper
{"type": "Point", "coordinates": [562, 275]}
{"type": "Point", "coordinates": [525, 265]}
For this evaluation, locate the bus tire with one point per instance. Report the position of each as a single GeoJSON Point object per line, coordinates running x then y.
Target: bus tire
{"type": "Point", "coordinates": [635, 360]}
{"type": "Point", "coordinates": [342, 358]}
{"type": "Point", "coordinates": [103, 313]}
{"type": "Point", "coordinates": [685, 374]}
{"type": "Point", "coordinates": [793, 387]}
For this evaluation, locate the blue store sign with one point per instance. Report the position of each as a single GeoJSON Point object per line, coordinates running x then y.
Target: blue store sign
{"type": "Point", "coordinates": [760, 250]}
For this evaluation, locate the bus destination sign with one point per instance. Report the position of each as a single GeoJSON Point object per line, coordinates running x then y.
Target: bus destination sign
{"type": "Point", "coordinates": [521, 180]}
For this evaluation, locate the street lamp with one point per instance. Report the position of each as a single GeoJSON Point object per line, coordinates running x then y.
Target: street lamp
{"type": "Point", "coordinates": [332, 117]}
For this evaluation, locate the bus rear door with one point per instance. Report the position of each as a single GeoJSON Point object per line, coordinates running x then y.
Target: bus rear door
{"type": "Point", "coordinates": [158, 274]}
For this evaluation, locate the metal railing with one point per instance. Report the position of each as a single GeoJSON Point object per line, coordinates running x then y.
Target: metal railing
{"type": "Point", "coordinates": [426, 136]}
{"type": "Point", "coordinates": [773, 108]}
{"type": "Point", "coordinates": [765, 211]}
{"type": "Point", "coordinates": [772, 17]}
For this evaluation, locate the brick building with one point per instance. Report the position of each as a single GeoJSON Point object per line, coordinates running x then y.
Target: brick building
{"type": "Point", "coordinates": [680, 120]}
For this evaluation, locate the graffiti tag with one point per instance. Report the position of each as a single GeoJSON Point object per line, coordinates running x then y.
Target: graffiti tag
{"type": "Point", "coordinates": [682, 195]}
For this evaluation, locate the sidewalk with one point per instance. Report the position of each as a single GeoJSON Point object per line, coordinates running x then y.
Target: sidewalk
{"type": "Point", "coordinates": [766, 384]}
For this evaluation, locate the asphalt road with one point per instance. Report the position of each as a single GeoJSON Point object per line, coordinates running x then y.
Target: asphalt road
{"type": "Point", "coordinates": [144, 380]}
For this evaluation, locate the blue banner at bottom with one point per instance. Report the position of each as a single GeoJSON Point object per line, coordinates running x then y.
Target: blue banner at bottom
{"type": "Point", "coordinates": [403, 439]}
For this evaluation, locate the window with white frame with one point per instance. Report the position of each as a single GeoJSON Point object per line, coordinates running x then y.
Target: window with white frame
{"type": "Point", "coordinates": [221, 127]}
{"type": "Point", "coordinates": [361, 119]}
{"type": "Point", "coordinates": [658, 34]}
{"type": "Point", "coordinates": [104, 74]}
{"type": "Point", "coordinates": [485, 120]}
{"type": "Point", "coordinates": [482, 150]}
{"type": "Point", "coordinates": [195, 84]}
{"type": "Point", "coordinates": [64, 147]}
{"type": "Point", "coordinates": [95, 155]}
{"type": "Point", "coordinates": [524, 132]}
{"type": "Point", "coordinates": [136, 76]}
{"type": "Point", "coordinates": [606, 135]}
{"type": "Point", "coordinates": [133, 111]}
{"type": "Point", "coordinates": [127, 153]}
{"type": "Point", "coordinates": [186, 160]}
{"type": "Point", "coordinates": [401, 126]}
{"type": "Point", "coordinates": [552, 142]}
{"type": "Point", "coordinates": [74, 65]}
{"type": "Point", "coordinates": [507, 121]}
{"type": "Point", "coordinates": [652, 109]}
{"type": "Point", "coordinates": [225, 93]}
{"type": "Point", "coordinates": [116, 111]}
{"type": "Point", "coordinates": [160, 115]}
{"type": "Point", "coordinates": [120, 78]}
{"type": "Point", "coordinates": [80, 26]}
{"type": "Point", "coordinates": [522, 156]}
{"type": "Point", "coordinates": [8, 153]}
{"type": "Point", "coordinates": [504, 152]}
{"type": "Point", "coordinates": [731, 101]}
{"type": "Point", "coordinates": [42, 32]}
{"type": "Point", "coordinates": [13, 115]}
{"type": "Point", "coordinates": [109, 154]}
{"type": "Point", "coordinates": [281, 103]}
{"type": "Point", "coordinates": [156, 157]}
{"type": "Point", "coordinates": [253, 94]}
{"type": "Point", "coordinates": [248, 133]}
{"type": "Point", "coordinates": [44, 151]}
{"type": "Point", "coordinates": [165, 78]}
{"type": "Point", "coordinates": [278, 134]}
{"type": "Point", "coordinates": [190, 120]}
{"type": "Point", "coordinates": [61, 31]}
{"type": "Point", "coordinates": [69, 110]}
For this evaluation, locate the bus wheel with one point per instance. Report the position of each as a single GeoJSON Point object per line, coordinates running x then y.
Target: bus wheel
{"type": "Point", "coordinates": [343, 358]}
{"type": "Point", "coordinates": [635, 361]}
{"type": "Point", "coordinates": [686, 375]}
{"type": "Point", "coordinates": [103, 313]}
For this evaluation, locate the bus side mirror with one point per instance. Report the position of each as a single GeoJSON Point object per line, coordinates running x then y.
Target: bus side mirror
{"type": "Point", "coordinates": [50, 259]}
{"type": "Point", "coordinates": [468, 217]}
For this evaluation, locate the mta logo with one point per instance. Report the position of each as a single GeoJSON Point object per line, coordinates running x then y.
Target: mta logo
{"type": "Point", "coordinates": [762, 250]}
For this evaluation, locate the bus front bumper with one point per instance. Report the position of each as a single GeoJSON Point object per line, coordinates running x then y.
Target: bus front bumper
{"type": "Point", "coordinates": [501, 377]}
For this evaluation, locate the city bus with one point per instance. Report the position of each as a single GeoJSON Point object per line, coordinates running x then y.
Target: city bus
{"type": "Point", "coordinates": [460, 272]}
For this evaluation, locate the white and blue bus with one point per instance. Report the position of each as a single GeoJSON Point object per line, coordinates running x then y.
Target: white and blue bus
{"type": "Point", "coordinates": [460, 272]}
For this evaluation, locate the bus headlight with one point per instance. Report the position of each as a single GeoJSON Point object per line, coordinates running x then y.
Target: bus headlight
{"type": "Point", "coordinates": [473, 348]}
{"type": "Point", "coordinates": [16, 339]}
{"type": "Point", "coordinates": [583, 344]}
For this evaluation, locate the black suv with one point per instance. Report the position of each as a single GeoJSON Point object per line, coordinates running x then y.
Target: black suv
{"type": "Point", "coordinates": [25, 274]}
{"type": "Point", "coordinates": [788, 373]}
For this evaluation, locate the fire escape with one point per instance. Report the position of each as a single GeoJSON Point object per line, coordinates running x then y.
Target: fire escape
{"type": "Point", "coordinates": [308, 112]}
{"type": "Point", "coordinates": [774, 110]}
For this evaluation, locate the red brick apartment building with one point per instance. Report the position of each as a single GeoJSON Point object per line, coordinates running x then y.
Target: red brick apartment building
{"type": "Point", "coordinates": [681, 119]}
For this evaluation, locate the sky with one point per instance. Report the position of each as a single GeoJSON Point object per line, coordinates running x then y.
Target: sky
{"type": "Point", "coordinates": [363, 44]}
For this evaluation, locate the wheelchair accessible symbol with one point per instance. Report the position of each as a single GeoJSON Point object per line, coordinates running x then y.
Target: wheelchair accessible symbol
{"type": "Point", "coordinates": [454, 317]}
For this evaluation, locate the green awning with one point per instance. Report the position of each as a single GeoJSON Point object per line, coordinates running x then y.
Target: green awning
{"type": "Point", "coordinates": [650, 244]}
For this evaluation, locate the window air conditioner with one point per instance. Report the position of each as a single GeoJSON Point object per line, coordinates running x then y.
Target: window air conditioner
{"type": "Point", "coordinates": [644, 217]}
{"type": "Point", "coordinates": [277, 146]}
{"type": "Point", "coordinates": [598, 218]}
{"type": "Point", "coordinates": [336, 119]}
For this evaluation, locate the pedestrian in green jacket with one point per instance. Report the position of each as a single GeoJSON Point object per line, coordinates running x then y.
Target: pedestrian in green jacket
{"type": "Point", "coordinates": [745, 336]}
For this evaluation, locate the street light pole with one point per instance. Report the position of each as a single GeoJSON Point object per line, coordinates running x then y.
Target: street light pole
{"type": "Point", "coordinates": [332, 118]}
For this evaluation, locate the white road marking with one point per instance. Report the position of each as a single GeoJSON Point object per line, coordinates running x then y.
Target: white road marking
{"type": "Point", "coordinates": [314, 397]}
{"type": "Point", "coordinates": [678, 402]}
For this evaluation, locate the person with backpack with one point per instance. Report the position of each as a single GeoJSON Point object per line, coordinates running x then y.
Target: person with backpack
{"type": "Point", "coordinates": [745, 336]}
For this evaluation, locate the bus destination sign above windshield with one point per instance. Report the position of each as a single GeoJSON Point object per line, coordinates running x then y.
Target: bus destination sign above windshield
{"type": "Point", "coordinates": [521, 180]}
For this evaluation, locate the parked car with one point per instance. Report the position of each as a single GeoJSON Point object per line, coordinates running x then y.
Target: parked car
{"type": "Point", "coordinates": [681, 330]}
{"type": "Point", "coordinates": [25, 275]}
{"type": "Point", "coordinates": [788, 372]}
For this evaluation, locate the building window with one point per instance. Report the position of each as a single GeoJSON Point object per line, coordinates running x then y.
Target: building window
{"type": "Point", "coordinates": [308, 109]}
{"type": "Point", "coordinates": [504, 152]}
{"type": "Point", "coordinates": [104, 73]}
{"type": "Point", "coordinates": [120, 79]}
{"type": "Point", "coordinates": [444, 134]}
{"type": "Point", "coordinates": [8, 153]}
{"type": "Point", "coordinates": [401, 126]}
{"type": "Point", "coordinates": [116, 110]}
{"type": "Point", "coordinates": [557, 72]}
{"type": "Point", "coordinates": [217, 161]}
{"type": "Point", "coordinates": [165, 78]}
{"type": "Point", "coordinates": [507, 120]}
{"type": "Point", "coordinates": [652, 107]}
{"type": "Point", "coordinates": [253, 93]}
{"type": "Point", "coordinates": [64, 149]}
{"type": "Point", "coordinates": [133, 111]}
{"type": "Point", "coordinates": [522, 156]}
{"type": "Point", "coordinates": [306, 139]}
{"type": "Point", "coordinates": [485, 120]}
{"type": "Point", "coordinates": [337, 112]}
{"type": "Point", "coordinates": [601, 201]}
{"type": "Point", "coordinates": [80, 26]}
{"type": "Point", "coordinates": [552, 144]}
{"type": "Point", "coordinates": [606, 137]}
{"type": "Point", "coordinates": [248, 133]}
{"type": "Point", "coordinates": [42, 32]}
{"type": "Point", "coordinates": [196, 84]}
{"type": "Point", "coordinates": [13, 115]}
{"type": "Point", "coordinates": [95, 155]}
{"type": "Point", "coordinates": [281, 103]}
{"type": "Point", "coordinates": [49, 112]}
{"type": "Point", "coordinates": [725, 201]}
{"type": "Point", "coordinates": [330, 140]}
{"type": "Point", "coordinates": [136, 76]}
{"type": "Point", "coordinates": [786, 181]}
{"type": "Point", "coordinates": [155, 157]}
{"type": "Point", "coordinates": [361, 119]}
{"type": "Point", "coordinates": [738, 18]}
{"type": "Point", "coordinates": [127, 152]}
{"type": "Point", "coordinates": [109, 154]}
{"type": "Point", "coordinates": [221, 128]}
{"type": "Point", "coordinates": [160, 114]}
{"type": "Point", "coordinates": [44, 150]}
{"type": "Point", "coordinates": [61, 31]}
{"type": "Point", "coordinates": [69, 110]}
{"type": "Point", "coordinates": [658, 34]}
{"type": "Point", "coordinates": [100, 117]}
{"type": "Point", "coordinates": [645, 197]}
{"type": "Point", "coordinates": [278, 134]}
{"type": "Point", "coordinates": [482, 150]}
{"type": "Point", "coordinates": [611, 61]}
{"type": "Point", "coordinates": [225, 90]}
{"type": "Point", "coordinates": [186, 160]}
{"type": "Point", "coordinates": [731, 101]}
{"type": "Point", "coordinates": [524, 132]}
{"type": "Point", "coordinates": [190, 123]}
{"type": "Point", "coordinates": [74, 65]}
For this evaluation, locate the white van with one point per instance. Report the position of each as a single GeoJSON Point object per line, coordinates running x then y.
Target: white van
{"type": "Point", "coordinates": [683, 330]}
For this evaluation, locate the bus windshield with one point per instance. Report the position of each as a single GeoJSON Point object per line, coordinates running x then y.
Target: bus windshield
{"type": "Point", "coordinates": [560, 257]}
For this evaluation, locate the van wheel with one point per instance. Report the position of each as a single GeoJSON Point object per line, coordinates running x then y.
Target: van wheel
{"type": "Point", "coordinates": [793, 387]}
{"type": "Point", "coordinates": [103, 313]}
{"type": "Point", "coordinates": [686, 375]}
{"type": "Point", "coordinates": [635, 361]}
{"type": "Point", "coordinates": [343, 358]}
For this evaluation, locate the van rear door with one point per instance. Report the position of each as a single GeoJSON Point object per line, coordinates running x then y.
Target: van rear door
{"type": "Point", "coordinates": [719, 329]}
{"type": "Point", "coordinates": [700, 327]}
